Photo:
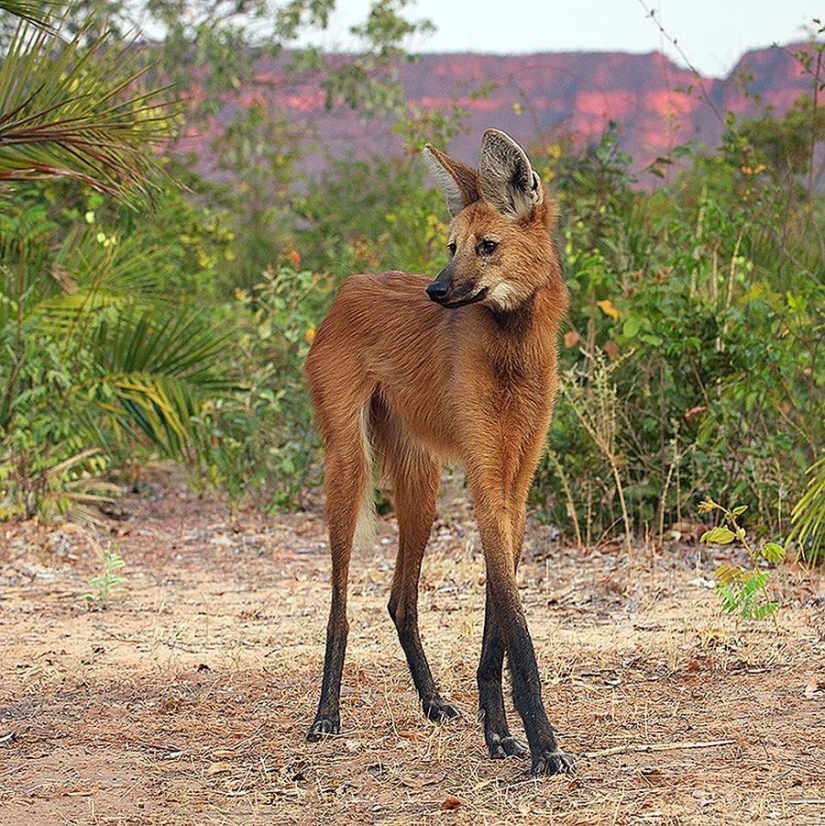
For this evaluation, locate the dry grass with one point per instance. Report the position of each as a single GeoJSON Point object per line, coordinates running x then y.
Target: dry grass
{"type": "Point", "coordinates": [187, 699]}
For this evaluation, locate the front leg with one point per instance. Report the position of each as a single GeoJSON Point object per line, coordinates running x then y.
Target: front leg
{"type": "Point", "coordinates": [547, 758]}
{"type": "Point", "coordinates": [511, 626]}
{"type": "Point", "coordinates": [500, 743]}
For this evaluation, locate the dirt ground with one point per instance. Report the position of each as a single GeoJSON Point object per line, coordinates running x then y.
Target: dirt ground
{"type": "Point", "coordinates": [185, 700]}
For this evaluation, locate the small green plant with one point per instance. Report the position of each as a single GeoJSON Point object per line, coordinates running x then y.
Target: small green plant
{"type": "Point", "coordinates": [109, 583]}
{"type": "Point", "coordinates": [742, 591]}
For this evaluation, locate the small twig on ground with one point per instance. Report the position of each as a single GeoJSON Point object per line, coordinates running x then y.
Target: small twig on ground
{"type": "Point", "coordinates": [645, 747]}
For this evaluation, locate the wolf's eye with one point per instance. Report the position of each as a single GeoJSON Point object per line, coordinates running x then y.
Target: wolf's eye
{"type": "Point", "coordinates": [451, 248]}
{"type": "Point", "coordinates": [487, 247]}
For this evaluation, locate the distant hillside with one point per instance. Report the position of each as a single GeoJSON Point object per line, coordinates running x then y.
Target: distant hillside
{"type": "Point", "coordinates": [536, 98]}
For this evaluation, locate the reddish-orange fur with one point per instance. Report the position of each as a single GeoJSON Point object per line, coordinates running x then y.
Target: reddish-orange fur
{"type": "Point", "coordinates": [469, 375]}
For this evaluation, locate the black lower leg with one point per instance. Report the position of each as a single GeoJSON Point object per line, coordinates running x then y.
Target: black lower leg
{"type": "Point", "coordinates": [416, 477]}
{"type": "Point", "coordinates": [328, 718]}
{"type": "Point", "coordinates": [500, 743]}
{"type": "Point", "coordinates": [547, 758]}
{"type": "Point", "coordinates": [434, 705]}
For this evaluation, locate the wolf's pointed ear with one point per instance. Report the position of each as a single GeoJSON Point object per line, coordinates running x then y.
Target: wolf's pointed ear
{"type": "Point", "coordinates": [458, 181]}
{"type": "Point", "coordinates": [506, 179]}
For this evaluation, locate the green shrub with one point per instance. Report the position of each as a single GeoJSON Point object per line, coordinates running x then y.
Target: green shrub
{"type": "Point", "coordinates": [712, 334]}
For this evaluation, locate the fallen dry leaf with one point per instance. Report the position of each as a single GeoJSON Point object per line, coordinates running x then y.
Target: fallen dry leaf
{"type": "Point", "coordinates": [449, 803]}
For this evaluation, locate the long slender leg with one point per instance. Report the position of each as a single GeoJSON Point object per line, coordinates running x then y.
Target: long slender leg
{"type": "Point", "coordinates": [508, 626]}
{"type": "Point", "coordinates": [500, 743]}
{"type": "Point", "coordinates": [415, 477]}
{"type": "Point", "coordinates": [347, 472]}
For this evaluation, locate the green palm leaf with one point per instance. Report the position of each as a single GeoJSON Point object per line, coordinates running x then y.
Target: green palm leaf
{"type": "Point", "coordinates": [808, 516]}
{"type": "Point", "coordinates": [65, 110]}
{"type": "Point", "coordinates": [87, 278]}
{"type": "Point", "coordinates": [157, 374]}
{"type": "Point", "coordinates": [185, 346]}
{"type": "Point", "coordinates": [160, 409]}
{"type": "Point", "coordinates": [36, 12]}
{"type": "Point", "coordinates": [67, 281]}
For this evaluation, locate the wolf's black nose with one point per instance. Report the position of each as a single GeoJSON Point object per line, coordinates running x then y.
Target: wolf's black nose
{"type": "Point", "coordinates": [437, 291]}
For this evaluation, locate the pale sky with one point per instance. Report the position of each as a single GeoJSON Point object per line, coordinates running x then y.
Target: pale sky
{"type": "Point", "coordinates": [713, 34]}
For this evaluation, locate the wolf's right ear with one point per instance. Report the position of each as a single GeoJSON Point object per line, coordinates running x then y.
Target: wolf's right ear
{"type": "Point", "coordinates": [458, 181]}
{"type": "Point", "coordinates": [507, 181]}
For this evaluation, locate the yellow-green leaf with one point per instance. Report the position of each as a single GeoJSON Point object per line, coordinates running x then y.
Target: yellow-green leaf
{"type": "Point", "coordinates": [728, 574]}
{"type": "Point", "coordinates": [773, 552]}
{"type": "Point", "coordinates": [718, 536]}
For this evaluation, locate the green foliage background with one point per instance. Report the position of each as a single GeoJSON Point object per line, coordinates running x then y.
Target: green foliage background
{"type": "Point", "coordinates": [148, 310]}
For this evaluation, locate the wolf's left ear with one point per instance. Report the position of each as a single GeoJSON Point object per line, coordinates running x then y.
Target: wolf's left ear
{"type": "Point", "coordinates": [507, 181]}
{"type": "Point", "coordinates": [458, 181]}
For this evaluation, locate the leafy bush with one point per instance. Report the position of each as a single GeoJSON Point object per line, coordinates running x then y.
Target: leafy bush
{"type": "Point", "coordinates": [710, 330]}
{"type": "Point", "coordinates": [262, 442]}
{"type": "Point", "coordinates": [100, 360]}
{"type": "Point", "coordinates": [368, 216]}
{"type": "Point", "coordinates": [742, 591]}
{"type": "Point", "coordinates": [808, 528]}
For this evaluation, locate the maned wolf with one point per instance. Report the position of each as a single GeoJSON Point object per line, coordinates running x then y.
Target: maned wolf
{"type": "Point", "coordinates": [409, 372]}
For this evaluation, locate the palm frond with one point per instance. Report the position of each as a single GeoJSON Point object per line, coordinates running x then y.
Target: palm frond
{"type": "Point", "coordinates": [159, 408]}
{"type": "Point", "coordinates": [66, 110]}
{"type": "Point", "coordinates": [88, 277]}
{"type": "Point", "coordinates": [157, 374]}
{"type": "Point", "coordinates": [184, 346]}
{"type": "Point", "coordinates": [68, 279]}
{"type": "Point", "coordinates": [35, 12]}
{"type": "Point", "coordinates": [808, 516]}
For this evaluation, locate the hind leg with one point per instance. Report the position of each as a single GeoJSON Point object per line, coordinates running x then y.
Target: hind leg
{"type": "Point", "coordinates": [415, 476]}
{"type": "Point", "coordinates": [348, 477]}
